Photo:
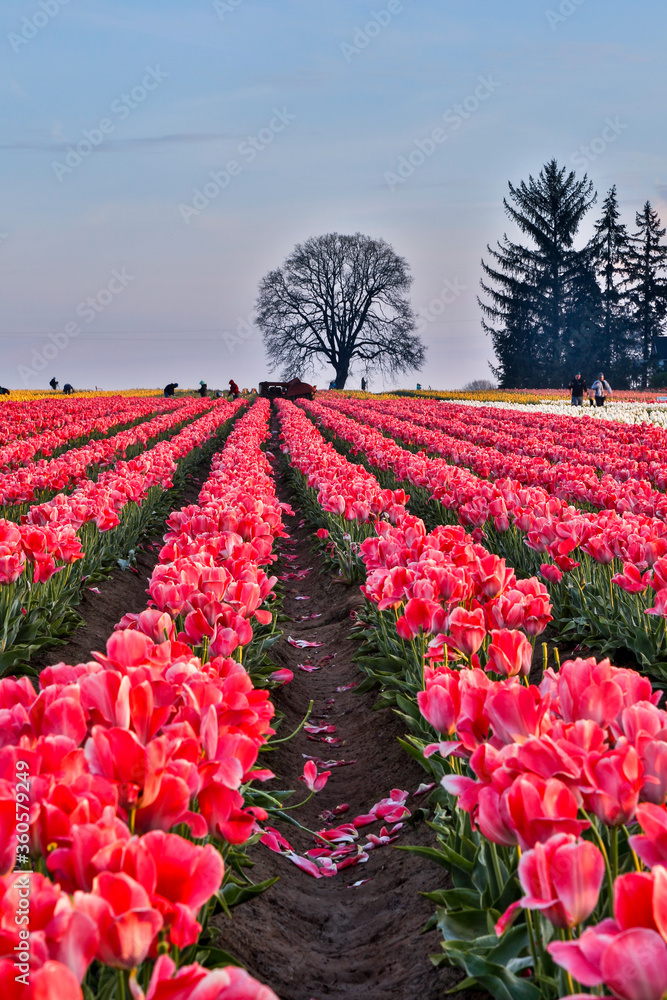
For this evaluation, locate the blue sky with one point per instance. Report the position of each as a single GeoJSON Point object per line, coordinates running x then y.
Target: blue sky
{"type": "Point", "coordinates": [316, 104]}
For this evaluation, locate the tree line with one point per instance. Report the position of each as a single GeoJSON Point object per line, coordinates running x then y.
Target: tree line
{"type": "Point", "coordinates": [552, 308]}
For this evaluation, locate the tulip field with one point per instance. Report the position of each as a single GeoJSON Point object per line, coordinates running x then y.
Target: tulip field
{"type": "Point", "coordinates": [385, 720]}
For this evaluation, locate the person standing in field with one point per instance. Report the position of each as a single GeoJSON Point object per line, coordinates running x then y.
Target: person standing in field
{"type": "Point", "coordinates": [203, 389]}
{"type": "Point", "coordinates": [233, 389]}
{"type": "Point", "coordinates": [578, 388]}
{"type": "Point", "coordinates": [602, 390]}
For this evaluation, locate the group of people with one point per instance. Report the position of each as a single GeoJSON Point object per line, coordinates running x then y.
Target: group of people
{"type": "Point", "coordinates": [599, 391]}
{"type": "Point", "coordinates": [234, 390]}
{"type": "Point", "coordinates": [67, 388]}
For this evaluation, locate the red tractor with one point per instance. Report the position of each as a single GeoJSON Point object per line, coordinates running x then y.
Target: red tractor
{"type": "Point", "coordinates": [296, 389]}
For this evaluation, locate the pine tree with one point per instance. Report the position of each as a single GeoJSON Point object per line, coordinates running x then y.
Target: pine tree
{"type": "Point", "coordinates": [531, 289]}
{"type": "Point", "coordinates": [583, 332]}
{"type": "Point", "coordinates": [608, 249]}
{"type": "Point", "coordinates": [645, 285]}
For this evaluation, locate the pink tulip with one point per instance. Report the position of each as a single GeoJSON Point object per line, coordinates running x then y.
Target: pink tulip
{"type": "Point", "coordinates": [613, 782]}
{"type": "Point", "coordinates": [127, 923]}
{"type": "Point", "coordinates": [441, 701]}
{"type": "Point", "coordinates": [551, 572]}
{"type": "Point", "coordinates": [589, 690]}
{"type": "Point", "coordinates": [192, 981]}
{"type": "Point", "coordinates": [651, 844]}
{"type": "Point", "coordinates": [633, 963]}
{"type": "Point", "coordinates": [509, 653]}
{"type": "Point", "coordinates": [536, 809]}
{"type": "Point", "coordinates": [631, 580]}
{"type": "Point", "coordinates": [562, 878]}
{"type": "Point", "coordinates": [467, 630]}
{"type": "Point", "coordinates": [517, 712]}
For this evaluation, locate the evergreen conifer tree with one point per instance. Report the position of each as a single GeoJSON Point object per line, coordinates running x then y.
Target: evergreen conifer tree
{"type": "Point", "coordinates": [645, 286]}
{"type": "Point", "coordinates": [531, 288]}
{"type": "Point", "coordinates": [608, 249]}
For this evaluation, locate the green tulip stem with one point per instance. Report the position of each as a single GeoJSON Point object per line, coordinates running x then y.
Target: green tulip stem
{"type": "Point", "coordinates": [537, 967]}
{"type": "Point", "coordinates": [613, 838]}
{"type": "Point", "coordinates": [273, 743]}
{"type": "Point", "coordinates": [607, 866]}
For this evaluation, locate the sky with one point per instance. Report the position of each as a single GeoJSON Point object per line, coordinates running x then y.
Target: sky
{"type": "Point", "coordinates": [160, 156]}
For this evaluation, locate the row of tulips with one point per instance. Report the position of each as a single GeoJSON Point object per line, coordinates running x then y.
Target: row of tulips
{"type": "Point", "coordinates": [40, 429]}
{"type": "Point", "coordinates": [571, 479]}
{"type": "Point", "coordinates": [75, 465]}
{"type": "Point", "coordinates": [350, 494]}
{"type": "Point", "coordinates": [607, 570]}
{"type": "Point", "coordinates": [550, 798]}
{"type": "Point", "coordinates": [139, 766]}
{"type": "Point", "coordinates": [80, 536]}
{"type": "Point", "coordinates": [635, 452]}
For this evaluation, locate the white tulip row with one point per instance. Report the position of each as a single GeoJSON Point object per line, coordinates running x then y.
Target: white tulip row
{"type": "Point", "coordinates": [624, 412]}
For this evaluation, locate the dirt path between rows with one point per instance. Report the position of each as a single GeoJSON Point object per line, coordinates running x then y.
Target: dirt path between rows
{"type": "Point", "coordinates": [312, 939]}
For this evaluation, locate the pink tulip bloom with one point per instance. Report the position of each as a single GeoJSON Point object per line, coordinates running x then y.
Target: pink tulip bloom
{"type": "Point", "coordinates": [651, 844]}
{"type": "Point", "coordinates": [633, 963]}
{"type": "Point", "coordinates": [441, 701]}
{"type": "Point", "coordinates": [195, 981]}
{"type": "Point", "coordinates": [631, 580]}
{"type": "Point", "coordinates": [535, 809]}
{"type": "Point", "coordinates": [551, 572]}
{"type": "Point", "coordinates": [510, 653]}
{"type": "Point", "coordinates": [561, 878]}
{"type": "Point", "coordinates": [517, 712]}
{"type": "Point", "coordinates": [613, 782]}
{"type": "Point", "coordinates": [125, 919]}
{"type": "Point", "coordinates": [660, 606]}
{"type": "Point", "coordinates": [467, 630]}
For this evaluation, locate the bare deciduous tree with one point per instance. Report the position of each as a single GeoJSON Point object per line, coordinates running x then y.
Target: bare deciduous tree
{"type": "Point", "coordinates": [340, 299]}
{"type": "Point", "coordinates": [479, 385]}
